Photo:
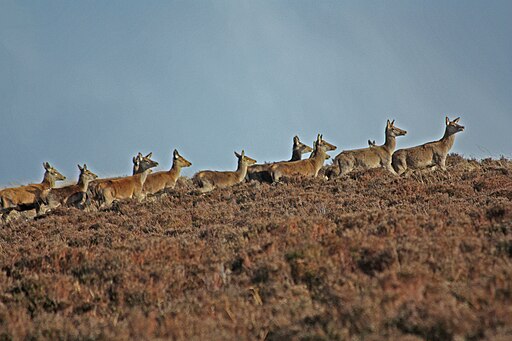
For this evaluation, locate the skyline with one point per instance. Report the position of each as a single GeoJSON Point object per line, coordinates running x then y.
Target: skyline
{"type": "Point", "coordinates": [94, 82]}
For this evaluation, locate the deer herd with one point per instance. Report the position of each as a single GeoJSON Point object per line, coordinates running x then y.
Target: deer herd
{"type": "Point", "coordinates": [89, 189]}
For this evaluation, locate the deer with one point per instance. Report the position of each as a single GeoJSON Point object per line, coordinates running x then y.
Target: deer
{"type": "Point", "coordinates": [260, 172]}
{"type": "Point", "coordinates": [372, 156]}
{"type": "Point", "coordinates": [158, 181]}
{"type": "Point", "coordinates": [308, 167]}
{"type": "Point", "coordinates": [93, 189]}
{"type": "Point", "coordinates": [209, 180]}
{"type": "Point", "coordinates": [429, 155]}
{"type": "Point", "coordinates": [29, 196]}
{"type": "Point", "coordinates": [73, 195]}
{"type": "Point", "coordinates": [127, 187]}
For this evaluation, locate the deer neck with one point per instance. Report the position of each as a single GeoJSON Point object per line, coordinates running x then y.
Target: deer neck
{"type": "Point", "coordinates": [175, 170]}
{"type": "Point", "coordinates": [143, 176]}
{"type": "Point", "coordinates": [447, 140]}
{"type": "Point", "coordinates": [390, 143]}
{"type": "Point", "coordinates": [241, 171]}
{"type": "Point", "coordinates": [83, 183]}
{"type": "Point", "coordinates": [319, 157]}
{"type": "Point", "coordinates": [48, 180]}
{"type": "Point", "coordinates": [296, 154]}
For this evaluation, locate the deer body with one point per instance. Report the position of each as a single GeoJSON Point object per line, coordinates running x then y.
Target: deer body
{"type": "Point", "coordinates": [209, 180]}
{"type": "Point", "coordinates": [372, 157]}
{"type": "Point", "coordinates": [20, 198]}
{"type": "Point", "coordinates": [431, 154]}
{"type": "Point", "coordinates": [158, 181]}
{"type": "Point", "coordinates": [127, 187]}
{"type": "Point", "coordinates": [261, 172]}
{"type": "Point", "coordinates": [73, 195]}
{"type": "Point", "coordinates": [308, 167]}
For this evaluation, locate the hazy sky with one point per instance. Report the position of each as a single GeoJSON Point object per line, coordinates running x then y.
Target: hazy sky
{"type": "Point", "coordinates": [98, 81]}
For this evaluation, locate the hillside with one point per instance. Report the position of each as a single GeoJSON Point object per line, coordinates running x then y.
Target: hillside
{"type": "Point", "coordinates": [368, 256]}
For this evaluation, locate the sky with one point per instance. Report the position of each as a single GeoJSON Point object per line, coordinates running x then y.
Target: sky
{"type": "Point", "coordinates": [98, 81]}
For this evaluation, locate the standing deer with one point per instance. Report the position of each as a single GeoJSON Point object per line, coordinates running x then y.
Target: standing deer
{"type": "Point", "coordinates": [431, 154]}
{"type": "Point", "coordinates": [373, 156]}
{"type": "Point", "coordinates": [127, 187]}
{"type": "Point", "coordinates": [208, 180]}
{"type": "Point", "coordinates": [158, 181]}
{"type": "Point", "coordinates": [74, 195]}
{"type": "Point", "coordinates": [93, 192]}
{"type": "Point", "coordinates": [29, 196]}
{"type": "Point", "coordinates": [308, 167]}
{"type": "Point", "coordinates": [260, 172]}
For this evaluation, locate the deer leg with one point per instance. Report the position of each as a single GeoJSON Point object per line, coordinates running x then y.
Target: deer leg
{"type": "Point", "coordinates": [391, 169]}
{"type": "Point", "coordinates": [442, 163]}
{"type": "Point", "coordinates": [206, 186]}
{"type": "Point", "coordinates": [345, 168]}
{"type": "Point", "coordinates": [275, 176]}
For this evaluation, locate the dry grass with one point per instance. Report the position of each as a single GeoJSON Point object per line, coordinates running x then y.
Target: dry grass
{"type": "Point", "coordinates": [367, 256]}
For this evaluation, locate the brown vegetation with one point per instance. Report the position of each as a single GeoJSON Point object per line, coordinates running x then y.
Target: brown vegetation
{"type": "Point", "coordinates": [366, 256]}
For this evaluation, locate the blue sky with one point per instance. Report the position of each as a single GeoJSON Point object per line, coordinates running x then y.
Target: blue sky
{"type": "Point", "coordinates": [98, 81]}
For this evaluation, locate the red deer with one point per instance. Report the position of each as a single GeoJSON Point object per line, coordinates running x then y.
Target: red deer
{"type": "Point", "coordinates": [431, 154]}
{"type": "Point", "coordinates": [208, 180]}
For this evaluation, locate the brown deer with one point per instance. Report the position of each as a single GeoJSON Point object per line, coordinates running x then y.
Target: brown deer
{"type": "Point", "coordinates": [73, 195]}
{"type": "Point", "coordinates": [373, 156]}
{"type": "Point", "coordinates": [93, 192]}
{"type": "Point", "coordinates": [29, 196]}
{"type": "Point", "coordinates": [308, 167]}
{"type": "Point", "coordinates": [260, 172]}
{"type": "Point", "coordinates": [127, 187]}
{"type": "Point", "coordinates": [428, 155]}
{"type": "Point", "coordinates": [158, 181]}
{"type": "Point", "coordinates": [208, 180]}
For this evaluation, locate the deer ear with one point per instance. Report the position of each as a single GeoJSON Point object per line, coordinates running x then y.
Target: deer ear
{"type": "Point", "coordinates": [447, 120]}
{"type": "Point", "coordinates": [175, 153]}
{"type": "Point", "coordinates": [238, 155]}
{"type": "Point", "coordinates": [80, 168]}
{"type": "Point", "coordinates": [296, 139]}
{"type": "Point", "coordinates": [393, 122]}
{"type": "Point", "coordinates": [388, 123]}
{"type": "Point", "coordinates": [243, 152]}
{"type": "Point", "coordinates": [149, 155]}
{"type": "Point", "coordinates": [85, 166]}
{"type": "Point", "coordinates": [456, 120]}
{"type": "Point", "coordinates": [46, 165]}
{"type": "Point", "coordinates": [135, 160]}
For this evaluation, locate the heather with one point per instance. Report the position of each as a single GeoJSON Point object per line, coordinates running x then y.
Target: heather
{"type": "Point", "coordinates": [367, 256]}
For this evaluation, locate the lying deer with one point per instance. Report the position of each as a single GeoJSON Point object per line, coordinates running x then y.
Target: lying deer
{"type": "Point", "coordinates": [73, 195]}
{"type": "Point", "coordinates": [308, 167]}
{"type": "Point", "coordinates": [158, 181]}
{"type": "Point", "coordinates": [29, 196]}
{"type": "Point", "coordinates": [373, 156]}
{"type": "Point", "coordinates": [428, 155]}
{"type": "Point", "coordinates": [260, 172]}
{"type": "Point", "coordinates": [208, 180]}
{"type": "Point", "coordinates": [127, 187]}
